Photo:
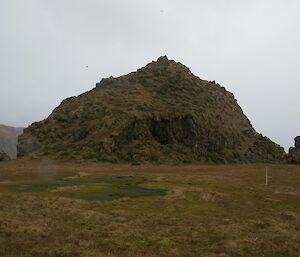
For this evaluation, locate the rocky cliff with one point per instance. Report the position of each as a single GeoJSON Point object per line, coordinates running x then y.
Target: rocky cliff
{"type": "Point", "coordinates": [161, 113]}
{"type": "Point", "coordinates": [294, 152]}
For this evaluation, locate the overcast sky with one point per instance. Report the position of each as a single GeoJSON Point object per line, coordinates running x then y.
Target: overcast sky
{"type": "Point", "coordinates": [252, 47]}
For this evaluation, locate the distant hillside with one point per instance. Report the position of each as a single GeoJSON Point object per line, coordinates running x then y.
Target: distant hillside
{"type": "Point", "coordinates": [9, 139]}
{"type": "Point", "coordinates": [162, 113]}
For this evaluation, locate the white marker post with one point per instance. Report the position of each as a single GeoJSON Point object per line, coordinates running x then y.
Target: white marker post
{"type": "Point", "coordinates": [267, 177]}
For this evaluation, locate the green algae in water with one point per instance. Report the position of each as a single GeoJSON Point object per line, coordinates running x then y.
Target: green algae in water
{"type": "Point", "coordinates": [100, 188]}
{"type": "Point", "coordinates": [34, 187]}
{"type": "Point", "coordinates": [113, 192]}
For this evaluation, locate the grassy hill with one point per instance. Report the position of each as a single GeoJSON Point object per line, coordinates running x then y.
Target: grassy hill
{"type": "Point", "coordinates": [9, 139]}
{"type": "Point", "coordinates": [162, 113]}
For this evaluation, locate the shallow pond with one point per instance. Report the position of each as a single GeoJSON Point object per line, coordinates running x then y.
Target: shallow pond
{"type": "Point", "coordinates": [96, 188]}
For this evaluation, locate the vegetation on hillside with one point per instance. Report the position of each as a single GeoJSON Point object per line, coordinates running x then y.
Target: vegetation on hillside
{"type": "Point", "coordinates": [162, 113]}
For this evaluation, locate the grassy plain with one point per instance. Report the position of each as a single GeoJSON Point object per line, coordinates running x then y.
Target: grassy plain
{"type": "Point", "coordinates": [57, 209]}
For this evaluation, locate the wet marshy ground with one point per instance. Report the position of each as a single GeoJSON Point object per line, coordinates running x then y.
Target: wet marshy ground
{"type": "Point", "coordinates": [97, 188]}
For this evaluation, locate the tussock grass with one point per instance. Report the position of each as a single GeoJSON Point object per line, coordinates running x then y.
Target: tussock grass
{"type": "Point", "coordinates": [223, 210]}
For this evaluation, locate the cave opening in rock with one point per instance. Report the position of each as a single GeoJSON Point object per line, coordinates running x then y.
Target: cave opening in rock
{"type": "Point", "coordinates": [159, 131]}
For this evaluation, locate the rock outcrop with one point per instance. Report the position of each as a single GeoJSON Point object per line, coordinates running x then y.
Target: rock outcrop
{"type": "Point", "coordinates": [162, 113]}
{"type": "Point", "coordinates": [297, 142]}
{"type": "Point", "coordinates": [4, 156]}
{"type": "Point", "coordinates": [293, 156]}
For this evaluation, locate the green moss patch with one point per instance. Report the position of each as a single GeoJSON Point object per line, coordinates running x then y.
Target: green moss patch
{"type": "Point", "coordinates": [95, 188]}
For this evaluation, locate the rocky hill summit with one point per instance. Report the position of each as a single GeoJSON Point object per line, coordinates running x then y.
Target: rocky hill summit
{"type": "Point", "coordinates": [294, 152]}
{"type": "Point", "coordinates": [161, 113]}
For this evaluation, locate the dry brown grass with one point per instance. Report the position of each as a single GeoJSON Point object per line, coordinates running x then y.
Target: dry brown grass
{"type": "Point", "coordinates": [209, 211]}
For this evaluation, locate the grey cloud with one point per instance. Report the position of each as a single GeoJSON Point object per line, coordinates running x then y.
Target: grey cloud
{"type": "Point", "coordinates": [250, 47]}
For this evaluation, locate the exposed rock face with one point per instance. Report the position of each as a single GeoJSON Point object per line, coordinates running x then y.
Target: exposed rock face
{"type": "Point", "coordinates": [4, 156]}
{"type": "Point", "coordinates": [297, 142]}
{"type": "Point", "coordinates": [294, 152]}
{"type": "Point", "coordinates": [161, 113]}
